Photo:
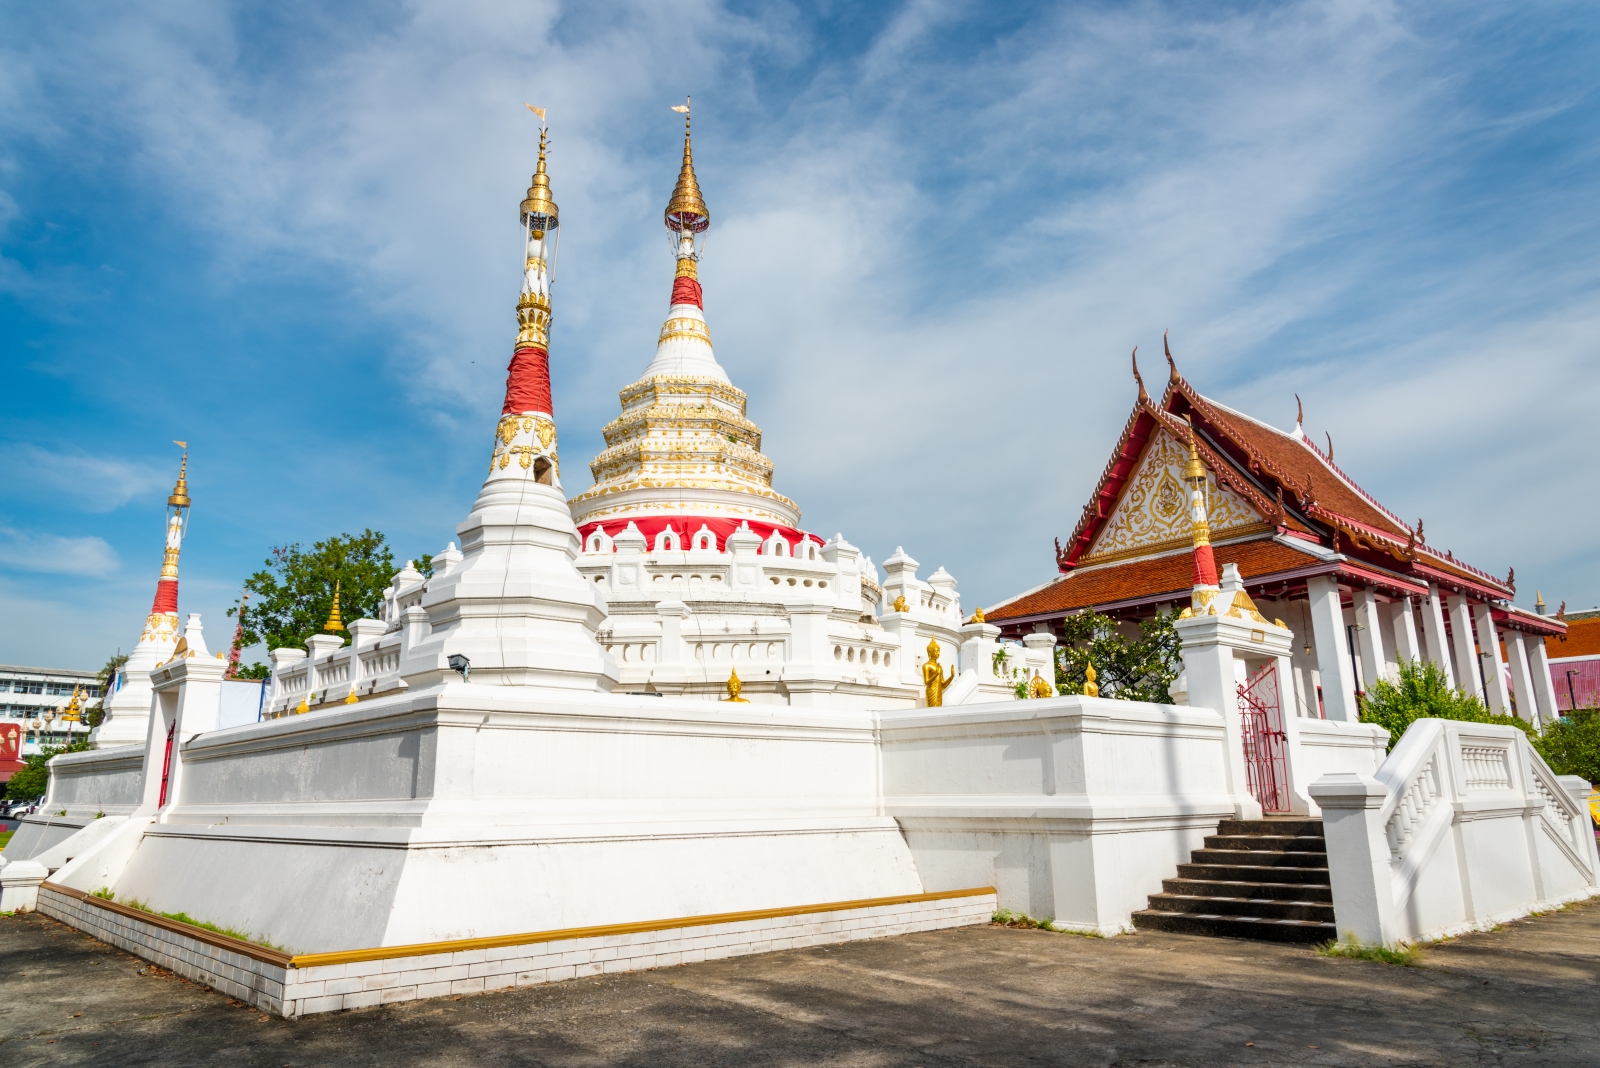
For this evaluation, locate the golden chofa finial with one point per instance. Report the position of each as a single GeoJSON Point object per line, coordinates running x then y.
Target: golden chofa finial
{"type": "Point", "coordinates": [687, 210]}
{"type": "Point", "coordinates": [334, 623]}
{"type": "Point", "coordinates": [539, 210]}
{"type": "Point", "coordinates": [735, 688]}
{"type": "Point", "coordinates": [180, 491]}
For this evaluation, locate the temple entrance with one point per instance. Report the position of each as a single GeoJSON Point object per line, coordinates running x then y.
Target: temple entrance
{"type": "Point", "coordinates": [1265, 744]}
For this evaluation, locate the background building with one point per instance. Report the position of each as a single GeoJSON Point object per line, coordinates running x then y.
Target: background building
{"type": "Point", "coordinates": [1575, 661]}
{"type": "Point", "coordinates": [39, 697]}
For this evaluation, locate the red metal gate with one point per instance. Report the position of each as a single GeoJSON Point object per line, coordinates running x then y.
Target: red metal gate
{"type": "Point", "coordinates": [1265, 745]}
{"type": "Point", "coordinates": [166, 765]}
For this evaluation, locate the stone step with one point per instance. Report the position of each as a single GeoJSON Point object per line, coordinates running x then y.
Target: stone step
{"type": "Point", "coordinates": [1272, 825]}
{"type": "Point", "coordinates": [1260, 858]}
{"type": "Point", "coordinates": [1259, 908]}
{"type": "Point", "coordinates": [1218, 888]}
{"type": "Point", "coordinates": [1246, 873]}
{"type": "Point", "coordinates": [1268, 930]}
{"type": "Point", "coordinates": [1279, 843]}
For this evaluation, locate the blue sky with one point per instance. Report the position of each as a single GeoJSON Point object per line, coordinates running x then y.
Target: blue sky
{"type": "Point", "coordinates": [287, 234]}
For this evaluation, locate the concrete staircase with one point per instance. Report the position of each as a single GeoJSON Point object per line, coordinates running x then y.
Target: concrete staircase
{"type": "Point", "coordinates": [1264, 879]}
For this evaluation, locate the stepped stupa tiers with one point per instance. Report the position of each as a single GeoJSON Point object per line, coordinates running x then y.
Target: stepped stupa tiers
{"type": "Point", "coordinates": [127, 711]}
{"type": "Point", "coordinates": [683, 456]}
{"type": "Point", "coordinates": [703, 564]}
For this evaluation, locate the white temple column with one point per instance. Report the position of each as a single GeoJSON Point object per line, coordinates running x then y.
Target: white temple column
{"type": "Point", "coordinates": [1405, 631]}
{"type": "Point", "coordinates": [1333, 656]}
{"type": "Point", "coordinates": [1433, 630]}
{"type": "Point", "coordinates": [1498, 698]}
{"type": "Point", "coordinates": [1521, 678]}
{"type": "Point", "coordinates": [1466, 656]}
{"type": "Point", "coordinates": [1369, 636]}
{"type": "Point", "coordinates": [1544, 687]}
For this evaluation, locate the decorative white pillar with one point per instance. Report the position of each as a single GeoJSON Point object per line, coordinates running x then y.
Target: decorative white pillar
{"type": "Point", "coordinates": [1522, 678]}
{"type": "Point", "coordinates": [1405, 631]}
{"type": "Point", "coordinates": [672, 614]}
{"type": "Point", "coordinates": [1333, 655]}
{"type": "Point", "coordinates": [1433, 627]}
{"type": "Point", "coordinates": [1467, 677]}
{"type": "Point", "coordinates": [1208, 664]}
{"type": "Point", "coordinates": [1498, 697]}
{"type": "Point", "coordinates": [1369, 636]}
{"type": "Point", "coordinates": [1544, 688]}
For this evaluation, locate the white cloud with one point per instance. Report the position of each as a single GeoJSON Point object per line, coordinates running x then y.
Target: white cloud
{"type": "Point", "coordinates": [89, 482]}
{"type": "Point", "coordinates": [55, 554]}
{"type": "Point", "coordinates": [929, 259]}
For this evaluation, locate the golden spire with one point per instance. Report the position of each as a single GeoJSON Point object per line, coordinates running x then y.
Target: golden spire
{"type": "Point", "coordinates": [180, 491]}
{"type": "Point", "coordinates": [687, 210]}
{"type": "Point", "coordinates": [71, 714]}
{"type": "Point", "coordinates": [539, 207]}
{"type": "Point", "coordinates": [334, 623]}
{"type": "Point", "coordinates": [1194, 473]}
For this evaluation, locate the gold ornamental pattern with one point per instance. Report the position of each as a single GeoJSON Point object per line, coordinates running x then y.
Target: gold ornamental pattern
{"type": "Point", "coordinates": [1153, 512]}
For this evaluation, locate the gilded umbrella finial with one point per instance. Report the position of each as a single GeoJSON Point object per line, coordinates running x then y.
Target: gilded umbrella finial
{"type": "Point", "coordinates": [687, 209]}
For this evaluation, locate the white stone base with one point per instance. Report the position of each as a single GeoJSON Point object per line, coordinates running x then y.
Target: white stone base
{"type": "Point", "coordinates": [326, 982]}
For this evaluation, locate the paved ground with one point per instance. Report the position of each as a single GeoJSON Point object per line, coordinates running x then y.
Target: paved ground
{"type": "Point", "coordinates": [1525, 994]}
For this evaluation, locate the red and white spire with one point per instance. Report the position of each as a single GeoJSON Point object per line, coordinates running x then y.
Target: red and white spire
{"type": "Point", "coordinates": [166, 600]}
{"type": "Point", "coordinates": [1205, 564]}
{"type": "Point", "coordinates": [525, 439]}
{"type": "Point", "coordinates": [127, 709]}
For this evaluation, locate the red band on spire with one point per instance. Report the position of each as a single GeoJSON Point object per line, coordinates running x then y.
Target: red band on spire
{"type": "Point", "coordinates": [166, 597]}
{"type": "Point", "coordinates": [528, 383]}
{"type": "Point", "coordinates": [1205, 566]}
{"type": "Point", "coordinates": [686, 290]}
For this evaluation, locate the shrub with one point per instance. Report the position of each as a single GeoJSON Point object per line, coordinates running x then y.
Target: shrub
{"type": "Point", "coordinates": [1423, 691]}
{"type": "Point", "coordinates": [1571, 745]}
{"type": "Point", "coordinates": [1402, 954]}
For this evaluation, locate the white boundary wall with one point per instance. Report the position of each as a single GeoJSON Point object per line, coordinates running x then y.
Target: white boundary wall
{"type": "Point", "coordinates": [1463, 827]}
{"type": "Point", "coordinates": [273, 982]}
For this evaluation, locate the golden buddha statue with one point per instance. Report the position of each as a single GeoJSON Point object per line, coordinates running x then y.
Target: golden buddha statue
{"type": "Point", "coordinates": [1089, 687]}
{"type": "Point", "coordinates": [934, 680]}
{"type": "Point", "coordinates": [1040, 688]}
{"type": "Point", "coordinates": [735, 688]}
{"type": "Point", "coordinates": [900, 604]}
{"type": "Point", "coordinates": [977, 617]}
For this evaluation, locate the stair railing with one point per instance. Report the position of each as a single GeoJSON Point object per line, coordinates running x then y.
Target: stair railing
{"type": "Point", "coordinates": [1464, 825]}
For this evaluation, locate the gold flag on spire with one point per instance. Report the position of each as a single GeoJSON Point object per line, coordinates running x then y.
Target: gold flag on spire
{"type": "Point", "coordinates": [681, 109]}
{"type": "Point", "coordinates": [537, 111]}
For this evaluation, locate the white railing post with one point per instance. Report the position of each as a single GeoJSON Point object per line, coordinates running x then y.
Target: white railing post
{"type": "Point", "coordinates": [1358, 856]}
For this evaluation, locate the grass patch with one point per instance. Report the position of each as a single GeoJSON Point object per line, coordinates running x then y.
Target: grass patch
{"type": "Point", "coordinates": [1406, 956]}
{"type": "Point", "coordinates": [184, 917]}
{"type": "Point", "coordinates": [1007, 918]}
{"type": "Point", "coordinates": [5, 836]}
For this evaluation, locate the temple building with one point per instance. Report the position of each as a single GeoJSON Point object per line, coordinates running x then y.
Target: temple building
{"type": "Point", "coordinates": [1362, 589]}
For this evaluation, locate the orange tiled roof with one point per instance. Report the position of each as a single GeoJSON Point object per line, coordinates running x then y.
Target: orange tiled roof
{"type": "Point", "coordinates": [1583, 639]}
{"type": "Point", "coordinates": [1146, 578]}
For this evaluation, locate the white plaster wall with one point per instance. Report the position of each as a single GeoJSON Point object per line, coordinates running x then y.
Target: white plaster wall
{"type": "Point", "coordinates": [1074, 808]}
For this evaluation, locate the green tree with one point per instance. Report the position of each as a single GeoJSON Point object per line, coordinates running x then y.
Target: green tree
{"type": "Point", "coordinates": [1423, 691]}
{"type": "Point", "coordinates": [257, 670]}
{"type": "Point", "coordinates": [96, 715]}
{"type": "Point", "coordinates": [293, 593]}
{"type": "Point", "coordinates": [34, 777]}
{"type": "Point", "coordinates": [1129, 669]}
{"type": "Point", "coordinates": [1571, 745]}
